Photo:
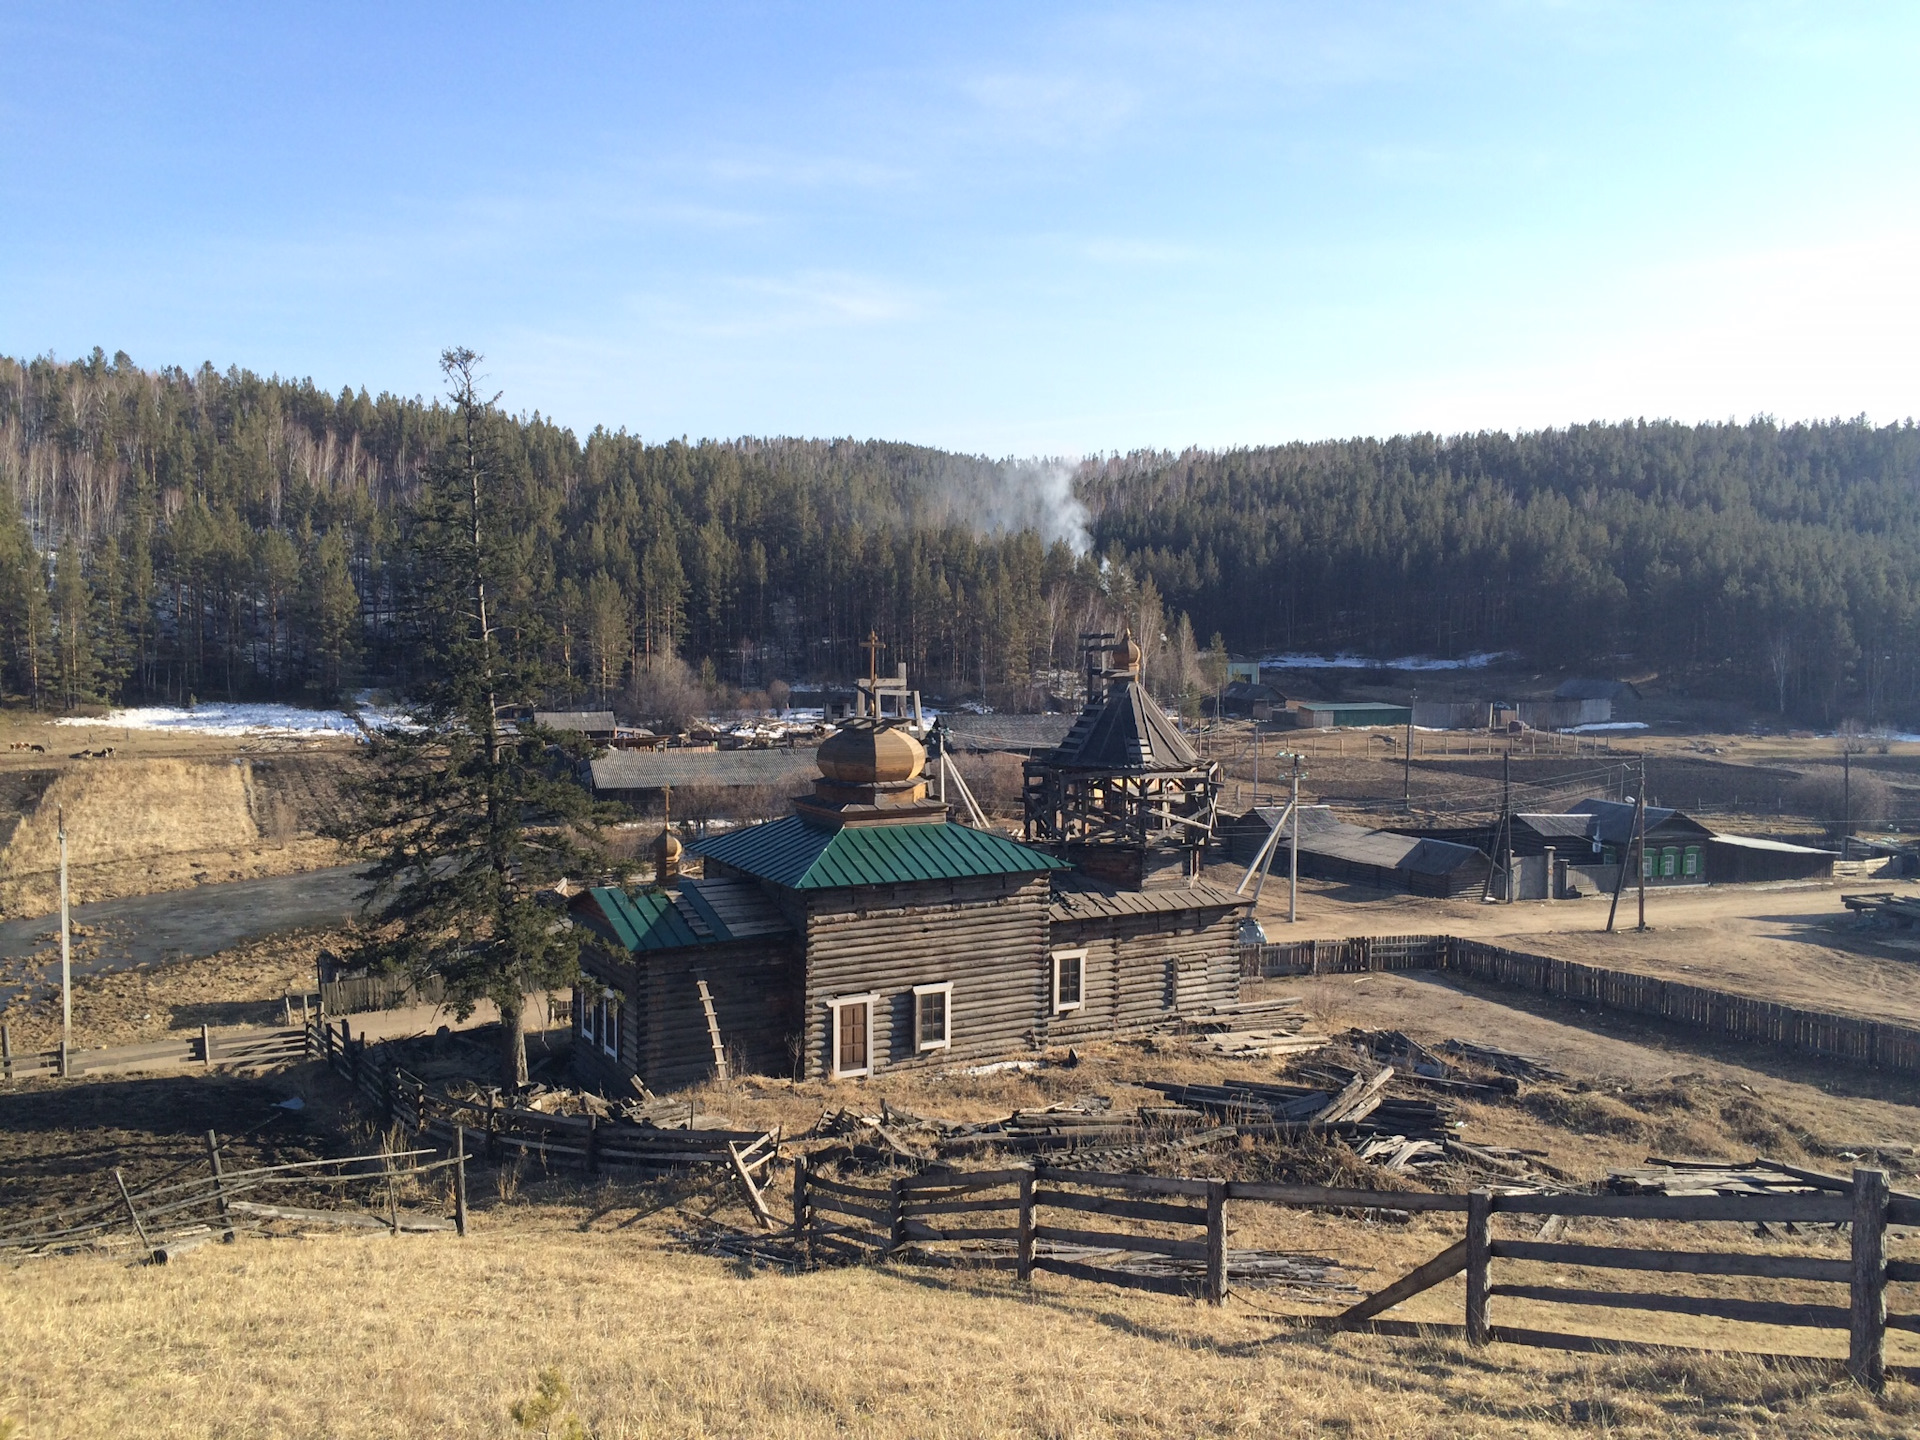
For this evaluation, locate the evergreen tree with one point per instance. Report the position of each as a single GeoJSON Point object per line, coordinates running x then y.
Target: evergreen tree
{"type": "Point", "coordinates": [471, 824]}
{"type": "Point", "coordinates": [76, 661]}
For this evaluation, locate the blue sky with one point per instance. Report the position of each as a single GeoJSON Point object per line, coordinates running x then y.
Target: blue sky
{"type": "Point", "coordinates": [1012, 229]}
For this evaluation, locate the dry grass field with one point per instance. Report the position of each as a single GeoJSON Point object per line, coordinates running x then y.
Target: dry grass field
{"type": "Point", "coordinates": [432, 1336]}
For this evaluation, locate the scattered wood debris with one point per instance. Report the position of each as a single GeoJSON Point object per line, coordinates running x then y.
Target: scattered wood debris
{"type": "Point", "coordinates": [1901, 911]}
{"type": "Point", "coordinates": [1506, 1062]}
{"type": "Point", "coordinates": [1253, 1030]}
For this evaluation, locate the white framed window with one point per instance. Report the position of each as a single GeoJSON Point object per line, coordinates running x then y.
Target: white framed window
{"type": "Point", "coordinates": [610, 1023]}
{"type": "Point", "coordinates": [933, 1016]}
{"type": "Point", "coordinates": [589, 1012]}
{"type": "Point", "coordinates": [1069, 980]}
{"type": "Point", "coordinates": [851, 1026]}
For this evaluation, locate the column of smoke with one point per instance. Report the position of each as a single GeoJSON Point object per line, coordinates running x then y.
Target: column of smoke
{"type": "Point", "coordinates": [1015, 495]}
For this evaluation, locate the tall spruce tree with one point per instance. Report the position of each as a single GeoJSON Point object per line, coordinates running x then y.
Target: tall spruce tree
{"type": "Point", "coordinates": [474, 820]}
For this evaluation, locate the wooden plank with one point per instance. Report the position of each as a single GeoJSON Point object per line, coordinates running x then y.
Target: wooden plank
{"type": "Point", "coordinates": [752, 1191]}
{"type": "Point", "coordinates": [1756, 1312]}
{"type": "Point", "coordinates": [962, 1181]}
{"type": "Point", "coordinates": [1327, 1196]}
{"type": "Point", "coordinates": [958, 1207]}
{"type": "Point", "coordinates": [826, 1200]}
{"type": "Point", "coordinates": [1600, 1345]}
{"type": "Point", "coordinates": [1444, 1266]}
{"type": "Point", "coordinates": [920, 1230]}
{"type": "Point", "coordinates": [817, 1181]}
{"type": "Point", "coordinates": [1139, 1184]}
{"type": "Point", "coordinates": [1160, 1284]}
{"type": "Point", "coordinates": [1742, 1209]}
{"type": "Point", "coordinates": [1023, 1254]}
{"type": "Point", "coordinates": [1676, 1262]}
{"type": "Point", "coordinates": [1129, 1209]}
{"type": "Point", "coordinates": [1904, 1270]}
{"type": "Point", "coordinates": [347, 1218]}
{"type": "Point", "coordinates": [1114, 1240]}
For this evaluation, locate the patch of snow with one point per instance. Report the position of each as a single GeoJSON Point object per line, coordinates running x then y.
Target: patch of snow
{"type": "Point", "coordinates": [1605, 725]}
{"type": "Point", "coordinates": [220, 719]}
{"type": "Point", "coordinates": [1346, 660]}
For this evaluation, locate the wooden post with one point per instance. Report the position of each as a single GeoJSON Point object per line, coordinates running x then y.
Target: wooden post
{"type": "Point", "coordinates": [393, 1197]}
{"type": "Point", "coordinates": [6, 1051]}
{"type": "Point", "coordinates": [206, 1046]}
{"type": "Point", "coordinates": [138, 1228]}
{"type": "Point", "coordinates": [592, 1158]}
{"type": "Point", "coordinates": [800, 1217]}
{"type": "Point", "coordinates": [493, 1132]}
{"type": "Point", "coordinates": [460, 1180]}
{"type": "Point", "coordinates": [219, 1183]}
{"type": "Point", "coordinates": [386, 1095]}
{"type": "Point", "coordinates": [1479, 1252]}
{"type": "Point", "coordinates": [1216, 1242]}
{"type": "Point", "coordinates": [1867, 1337]}
{"type": "Point", "coordinates": [1023, 1265]}
{"type": "Point", "coordinates": [896, 1218]}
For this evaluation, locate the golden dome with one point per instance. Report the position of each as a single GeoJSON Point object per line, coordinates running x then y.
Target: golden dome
{"type": "Point", "coordinates": [667, 846]}
{"type": "Point", "coordinates": [866, 753]}
{"type": "Point", "coordinates": [1126, 655]}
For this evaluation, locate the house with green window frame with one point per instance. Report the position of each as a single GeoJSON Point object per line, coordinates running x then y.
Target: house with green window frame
{"type": "Point", "coordinates": [1600, 833]}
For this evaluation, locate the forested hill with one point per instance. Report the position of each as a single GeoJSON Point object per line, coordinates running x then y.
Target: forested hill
{"type": "Point", "coordinates": [172, 533]}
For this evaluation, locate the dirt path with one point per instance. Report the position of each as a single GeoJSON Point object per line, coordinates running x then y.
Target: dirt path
{"type": "Point", "coordinates": [1796, 944]}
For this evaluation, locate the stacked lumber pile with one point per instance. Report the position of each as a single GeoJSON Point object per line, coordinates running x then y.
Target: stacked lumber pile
{"type": "Point", "coordinates": [1504, 1062]}
{"type": "Point", "coordinates": [1901, 911]}
{"type": "Point", "coordinates": [1360, 1106]}
{"type": "Point", "coordinates": [1254, 1030]}
{"type": "Point", "coordinates": [1420, 1065]}
{"type": "Point", "coordinates": [1721, 1177]}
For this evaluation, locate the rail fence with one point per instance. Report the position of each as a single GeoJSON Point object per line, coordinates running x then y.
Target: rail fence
{"type": "Point", "coordinates": [1850, 1039]}
{"type": "Point", "coordinates": [921, 1217]}
{"type": "Point", "coordinates": [203, 1051]}
{"type": "Point", "coordinates": [504, 1130]}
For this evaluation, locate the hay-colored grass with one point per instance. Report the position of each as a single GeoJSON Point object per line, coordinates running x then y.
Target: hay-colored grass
{"type": "Point", "coordinates": [137, 826]}
{"type": "Point", "coordinates": [434, 1336]}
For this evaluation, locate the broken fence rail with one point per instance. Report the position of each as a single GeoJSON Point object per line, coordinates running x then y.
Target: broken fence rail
{"type": "Point", "coordinates": [841, 1220]}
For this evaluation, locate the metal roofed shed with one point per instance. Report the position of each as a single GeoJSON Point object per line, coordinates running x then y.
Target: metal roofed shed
{"type": "Point", "coordinates": [586, 722]}
{"type": "Point", "coordinates": [638, 776]}
{"type": "Point", "coordinates": [1002, 734]}
{"type": "Point", "coordinates": [1320, 715]}
{"type": "Point", "coordinates": [1332, 849]}
{"type": "Point", "coordinates": [1748, 860]}
{"type": "Point", "coordinates": [800, 856]}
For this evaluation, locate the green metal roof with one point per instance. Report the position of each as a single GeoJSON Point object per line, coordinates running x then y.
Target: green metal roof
{"type": "Point", "coordinates": [800, 856]}
{"type": "Point", "coordinates": [646, 921]}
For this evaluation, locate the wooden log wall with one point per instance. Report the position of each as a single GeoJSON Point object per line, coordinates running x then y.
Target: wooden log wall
{"type": "Point", "coordinates": [988, 936]}
{"type": "Point", "coordinates": [1141, 969]}
{"type": "Point", "coordinates": [755, 987]}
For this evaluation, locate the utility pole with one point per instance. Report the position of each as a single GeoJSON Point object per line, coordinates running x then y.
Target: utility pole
{"type": "Point", "coordinates": [1846, 796]}
{"type": "Point", "coordinates": [1642, 847]}
{"type": "Point", "coordinates": [66, 954]}
{"type": "Point", "coordinates": [1406, 789]}
{"type": "Point", "coordinates": [1627, 854]}
{"type": "Point", "coordinates": [1293, 856]}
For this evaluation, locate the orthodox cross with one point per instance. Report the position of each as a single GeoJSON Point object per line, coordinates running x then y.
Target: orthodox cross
{"type": "Point", "coordinates": [873, 647]}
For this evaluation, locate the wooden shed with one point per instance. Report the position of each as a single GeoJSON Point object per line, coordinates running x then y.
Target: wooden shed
{"type": "Point", "coordinates": [1332, 849]}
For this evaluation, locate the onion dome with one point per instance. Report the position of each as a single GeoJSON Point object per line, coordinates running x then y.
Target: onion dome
{"type": "Point", "coordinates": [1127, 655]}
{"type": "Point", "coordinates": [667, 850]}
{"type": "Point", "coordinates": [870, 754]}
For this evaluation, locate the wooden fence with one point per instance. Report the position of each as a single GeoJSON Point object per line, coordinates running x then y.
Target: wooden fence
{"type": "Point", "coordinates": [911, 1214]}
{"type": "Point", "coordinates": [503, 1130]}
{"type": "Point", "coordinates": [1850, 1039]}
{"type": "Point", "coordinates": [378, 992]}
{"type": "Point", "coordinates": [202, 1051]}
{"type": "Point", "coordinates": [168, 1216]}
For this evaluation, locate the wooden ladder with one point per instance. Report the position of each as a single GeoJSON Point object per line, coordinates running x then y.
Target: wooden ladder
{"type": "Point", "coordinates": [713, 1027]}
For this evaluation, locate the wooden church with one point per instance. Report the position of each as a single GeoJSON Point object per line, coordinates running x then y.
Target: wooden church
{"type": "Point", "coordinates": [868, 930]}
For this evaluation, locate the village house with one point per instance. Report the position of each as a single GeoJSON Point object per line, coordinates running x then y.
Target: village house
{"type": "Point", "coordinates": [869, 931]}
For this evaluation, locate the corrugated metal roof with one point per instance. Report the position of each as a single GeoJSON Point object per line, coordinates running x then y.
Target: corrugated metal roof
{"type": "Point", "coordinates": [1557, 827]}
{"type": "Point", "coordinates": [1075, 897]}
{"type": "Point", "coordinates": [1781, 847]}
{"type": "Point", "coordinates": [1123, 733]}
{"type": "Point", "coordinates": [1613, 820]}
{"type": "Point", "coordinates": [1029, 733]}
{"type": "Point", "coordinates": [575, 719]}
{"type": "Point", "coordinates": [699, 912]}
{"type": "Point", "coordinates": [1322, 834]}
{"type": "Point", "coordinates": [657, 769]}
{"type": "Point", "coordinates": [801, 856]}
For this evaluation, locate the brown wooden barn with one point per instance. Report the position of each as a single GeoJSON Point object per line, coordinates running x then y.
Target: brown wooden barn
{"type": "Point", "coordinates": [868, 931]}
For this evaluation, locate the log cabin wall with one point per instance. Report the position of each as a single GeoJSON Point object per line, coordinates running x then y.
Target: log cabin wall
{"type": "Point", "coordinates": [1141, 970]}
{"type": "Point", "coordinates": [988, 936]}
{"type": "Point", "coordinates": [755, 988]}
